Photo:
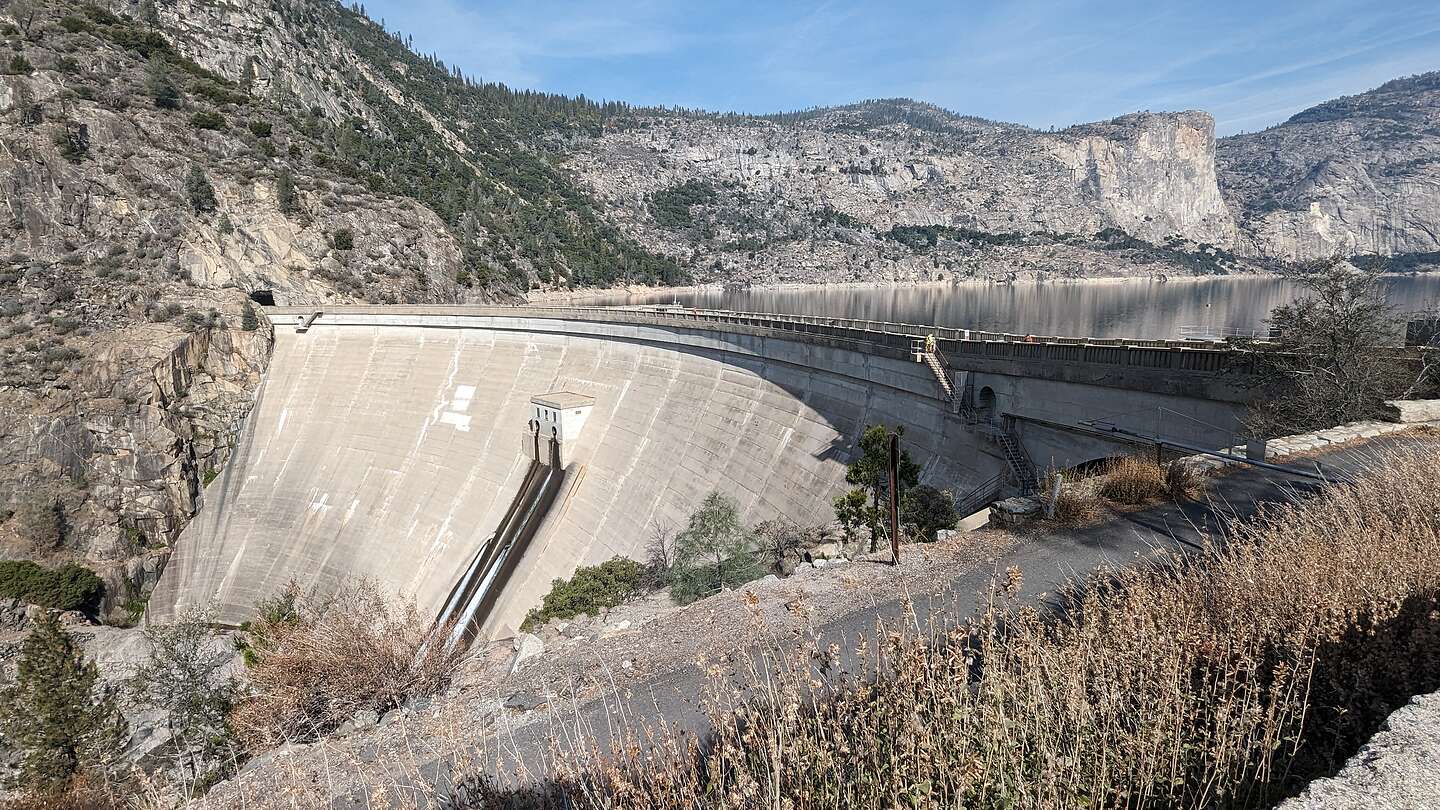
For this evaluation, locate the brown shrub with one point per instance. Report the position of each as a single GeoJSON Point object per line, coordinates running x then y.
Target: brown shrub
{"type": "Point", "coordinates": [1133, 481]}
{"type": "Point", "coordinates": [1228, 677]}
{"type": "Point", "coordinates": [314, 666]}
{"type": "Point", "coordinates": [84, 792]}
{"type": "Point", "coordinates": [1077, 504]}
{"type": "Point", "coordinates": [1077, 508]}
{"type": "Point", "coordinates": [1183, 482]}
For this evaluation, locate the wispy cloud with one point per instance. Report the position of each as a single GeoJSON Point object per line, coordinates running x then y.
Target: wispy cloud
{"type": "Point", "coordinates": [517, 44]}
{"type": "Point", "coordinates": [1039, 62]}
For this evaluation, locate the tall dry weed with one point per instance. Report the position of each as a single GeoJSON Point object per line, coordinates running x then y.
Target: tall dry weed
{"type": "Point", "coordinates": [315, 667]}
{"type": "Point", "coordinates": [1225, 678]}
{"type": "Point", "coordinates": [1133, 480]}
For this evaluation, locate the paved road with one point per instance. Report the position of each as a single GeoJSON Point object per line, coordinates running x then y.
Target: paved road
{"type": "Point", "coordinates": [1046, 562]}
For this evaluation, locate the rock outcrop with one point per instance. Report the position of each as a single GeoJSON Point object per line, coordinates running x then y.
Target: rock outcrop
{"type": "Point", "coordinates": [1398, 769]}
{"type": "Point", "coordinates": [1355, 175]}
{"type": "Point", "coordinates": [129, 348]}
{"type": "Point", "coordinates": [815, 199]}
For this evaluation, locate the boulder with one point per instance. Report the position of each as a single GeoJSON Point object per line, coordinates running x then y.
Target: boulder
{"type": "Point", "coordinates": [527, 646]}
{"type": "Point", "coordinates": [615, 629]}
{"type": "Point", "coordinates": [524, 701]}
{"type": "Point", "coordinates": [1410, 411]}
{"type": "Point", "coordinates": [1014, 511]}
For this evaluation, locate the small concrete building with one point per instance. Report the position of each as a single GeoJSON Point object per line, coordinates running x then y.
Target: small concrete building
{"type": "Point", "coordinates": [561, 414]}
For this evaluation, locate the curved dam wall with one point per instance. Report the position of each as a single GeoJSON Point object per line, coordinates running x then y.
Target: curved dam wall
{"type": "Point", "coordinates": [389, 447]}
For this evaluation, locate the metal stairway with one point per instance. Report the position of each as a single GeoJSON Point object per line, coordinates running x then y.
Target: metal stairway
{"type": "Point", "coordinates": [961, 403]}
{"type": "Point", "coordinates": [933, 361]}
{"type": "Point", "coordinates": [1015, 457]}
{"type": "Point", "coordinates": [984, 494]}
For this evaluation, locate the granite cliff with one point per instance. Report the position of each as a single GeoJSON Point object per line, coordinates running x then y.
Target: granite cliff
{"type": "Point", "coordinates": [1358, 175]}
{"type": "Point", "coordinates": [168, 166]}
{"type": "Point", "coordinates": [836, 195]}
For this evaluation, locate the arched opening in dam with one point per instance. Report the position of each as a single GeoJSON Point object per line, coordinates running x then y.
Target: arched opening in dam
{"type": "Point", "coordinates": [391, 444]}
{"type": "Point", "coordinates": [985, 403]}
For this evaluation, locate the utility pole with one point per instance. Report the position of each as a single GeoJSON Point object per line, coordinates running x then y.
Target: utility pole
{"type": "Point", "coordinates": [894, 499]}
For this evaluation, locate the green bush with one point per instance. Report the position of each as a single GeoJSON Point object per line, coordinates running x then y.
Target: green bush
{"type": "Point", "coordinates": [285, 195]}
{"type": "Point", "coordinates": [670, 207]}
{"type": "Point", "coordinates": [69, 587]}
{"type": "Point", "coordinates": [343, 239]}
{"type": "Point", "coordinates": [199, 191]}
{"type": "Point", "coordinates": [929, 510]}
{"type": "Point", "coordinates": [73, 143]}
{"type": "Point", "coordinates": [261, 129]}
{"type": "Point", "coordinates": [217, 92]}
{"type": "Point", "coordinates": [205, 119]}
{"type": "Point", "coordinates": [591, 589]}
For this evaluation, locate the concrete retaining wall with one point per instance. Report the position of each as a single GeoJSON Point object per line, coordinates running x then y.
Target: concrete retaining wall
{"type": "Point", "coordinates": [385, 442]}
{"type": "Point", "coordinates": [391, 451]}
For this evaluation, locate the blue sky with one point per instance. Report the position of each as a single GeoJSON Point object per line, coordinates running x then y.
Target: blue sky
{"type": "Point", "coordinates": [1251, 64]}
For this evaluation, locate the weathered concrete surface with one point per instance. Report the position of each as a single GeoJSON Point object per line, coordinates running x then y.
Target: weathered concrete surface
{"type": "Point", "coordinates": [391, 452]}
{"type": "Point", "coordinates": [386, 442]}
{"type": "Point", "coordinates": [1399, 769]}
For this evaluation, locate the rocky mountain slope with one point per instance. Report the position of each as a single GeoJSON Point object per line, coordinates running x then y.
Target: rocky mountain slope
{"type": "Point", "coordinates": [168, 165]}
{"type": "Point", "coordinates": [896, 189]}
{"type": "Point", "coordinates": [1355, 175]}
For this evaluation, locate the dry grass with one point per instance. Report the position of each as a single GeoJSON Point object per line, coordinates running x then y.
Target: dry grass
{"type": "Point", "coordinates": [84, 792]}
{"type": "Point", "coordinates": [1226, 678]}
{"type": "Point", "coordinates": [1133, 481]}
{"type": "Point", "coordinates": [1183, 482]}
{"type": "Point", "coordinates": [316, 666]}
{"type": "Point", "coordinates": [1076, 505]}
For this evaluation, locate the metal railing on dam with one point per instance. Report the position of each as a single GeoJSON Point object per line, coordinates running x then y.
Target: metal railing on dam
{"type": "Point", "coordinates": [962, 346]}
{"type": "Point", "coordinates": [382, 439]}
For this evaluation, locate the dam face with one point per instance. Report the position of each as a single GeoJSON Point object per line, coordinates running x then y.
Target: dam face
{"type": "Point", "coordinates": [391, 452]}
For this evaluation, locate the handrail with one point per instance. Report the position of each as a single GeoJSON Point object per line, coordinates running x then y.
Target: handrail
{"type": "Point", "coordinates": [889, 327]}
{"type": "Point", "coordinates": [983, 493]}
{"type": "Point", "coordinates": [1186, 356]}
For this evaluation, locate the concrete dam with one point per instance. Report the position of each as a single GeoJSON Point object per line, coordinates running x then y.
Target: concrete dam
{"type": "Point", "coordinates": [408, 445]}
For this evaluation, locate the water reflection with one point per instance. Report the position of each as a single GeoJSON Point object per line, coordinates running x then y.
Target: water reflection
{"type": "Point", "coordinates": [1130, 308]}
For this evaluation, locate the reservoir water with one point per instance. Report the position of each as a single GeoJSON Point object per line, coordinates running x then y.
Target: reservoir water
{"type": "Point", "coordinates": [1140, 308]}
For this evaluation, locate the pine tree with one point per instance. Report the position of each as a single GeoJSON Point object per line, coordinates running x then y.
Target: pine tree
{"type": "Point", "coordinates": [871, 472]}
{"type": "Point", "coordinates": [285, 194]}
{"type": "Point", "coordinates": [200, 192]}
{"type": "Point", "coordinates": [159, 85]}
{"type": "Point", "coordinates": [52, 712]}
{"type": "Point", "coordinates": [713, 552]}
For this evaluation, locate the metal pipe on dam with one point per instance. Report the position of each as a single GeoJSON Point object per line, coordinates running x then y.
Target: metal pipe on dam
{"type": "Point", "coordinates": [392, 452]}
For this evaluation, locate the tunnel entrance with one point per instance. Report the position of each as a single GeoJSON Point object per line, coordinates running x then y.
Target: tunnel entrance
{"type": "Point", "coordinates": [985, 404]}
{"type": "Point", "coordinates": [264, 298]}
